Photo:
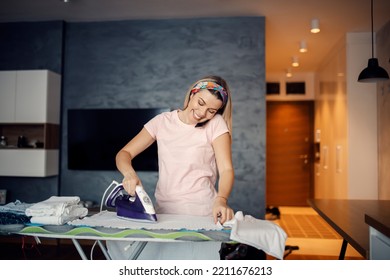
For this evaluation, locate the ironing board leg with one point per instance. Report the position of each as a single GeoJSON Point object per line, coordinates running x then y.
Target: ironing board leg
{"type": "Point", "coordinates": [104, 250]}
{"type": "Point", "coordinates": [79, 249]}
{"type": "Point", "coordinates": [139, 246]}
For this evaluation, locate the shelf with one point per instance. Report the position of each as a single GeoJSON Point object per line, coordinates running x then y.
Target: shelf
{"type": "Point", "coordinates": [48, 134]}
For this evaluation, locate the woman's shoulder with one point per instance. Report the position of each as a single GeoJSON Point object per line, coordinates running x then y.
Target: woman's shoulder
{"type": "Point", "coordinates": [164, 117]}
{"type": "Point", "coordinates": [166, 114]}
{"type": "Point", "coordinates": [216, 123]}
{"type": "Point", "coordinates": [218, 120]}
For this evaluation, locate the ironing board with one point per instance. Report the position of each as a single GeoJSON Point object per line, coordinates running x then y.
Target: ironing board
{"type": "Point", "coordinates": [101, 233]}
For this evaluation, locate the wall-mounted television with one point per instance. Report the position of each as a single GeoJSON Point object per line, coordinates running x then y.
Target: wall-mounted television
{"type": "Point", "coordinates": [96, 135]}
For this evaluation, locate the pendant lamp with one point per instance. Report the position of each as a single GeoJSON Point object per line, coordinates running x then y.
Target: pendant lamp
{"type": "Point", "coordinates": [373, 72]}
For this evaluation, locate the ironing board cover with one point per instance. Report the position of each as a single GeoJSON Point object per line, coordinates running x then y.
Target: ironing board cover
{"type": "Point", "coordinates": [105, 225]}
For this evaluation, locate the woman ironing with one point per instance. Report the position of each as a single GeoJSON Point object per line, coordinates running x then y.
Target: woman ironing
{"type": "Point", "coordinates": [194, 150]}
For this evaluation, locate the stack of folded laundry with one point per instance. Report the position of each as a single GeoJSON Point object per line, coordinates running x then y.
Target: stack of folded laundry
{"type": "Point", "coordinates": [56, 210]}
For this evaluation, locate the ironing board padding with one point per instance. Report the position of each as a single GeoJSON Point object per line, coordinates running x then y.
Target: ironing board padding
{"type": "Point", "coordinates": [165, 222]}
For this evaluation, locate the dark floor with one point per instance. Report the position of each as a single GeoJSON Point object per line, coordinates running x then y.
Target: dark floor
{"type": "Point", "coordinates": [25, 248]}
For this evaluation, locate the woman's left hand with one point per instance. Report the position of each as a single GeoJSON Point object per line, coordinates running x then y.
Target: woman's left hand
{"type": "Point", "coordinates": [221, 211]}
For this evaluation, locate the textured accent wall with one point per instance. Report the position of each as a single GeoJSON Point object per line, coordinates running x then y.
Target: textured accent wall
{"type": "Point", "coordinates": [151, 63]}
{"type": "Point", "coordinates": [31, 45]}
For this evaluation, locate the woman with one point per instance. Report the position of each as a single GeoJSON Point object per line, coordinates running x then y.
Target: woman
{"type": "Point", "coordinates": [194, 149]}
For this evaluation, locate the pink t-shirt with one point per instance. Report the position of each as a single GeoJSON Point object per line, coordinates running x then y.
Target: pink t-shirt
{"type": "Point", "coordinates": [187, 166]}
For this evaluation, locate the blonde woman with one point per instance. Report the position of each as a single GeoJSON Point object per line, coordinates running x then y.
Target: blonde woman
{"type": "Point", "coordinates": [194, 152]}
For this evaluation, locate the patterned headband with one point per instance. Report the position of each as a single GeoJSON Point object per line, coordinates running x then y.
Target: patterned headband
{"type": "Point", "coordinates": [213, 86]}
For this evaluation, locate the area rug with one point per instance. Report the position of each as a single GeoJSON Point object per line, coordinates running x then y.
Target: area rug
{"type": "Point", "coordinates": [306, 226]}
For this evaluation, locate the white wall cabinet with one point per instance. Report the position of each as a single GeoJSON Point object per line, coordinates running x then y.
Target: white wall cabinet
{"type": "Point", "coordinates": [30, 96]}
{"type": "Point", "coordinates": [29, 162]}
{"type": "Point", "coordinates": [30, 106]}
{"type": "Point", "coordinates": [7, 96]}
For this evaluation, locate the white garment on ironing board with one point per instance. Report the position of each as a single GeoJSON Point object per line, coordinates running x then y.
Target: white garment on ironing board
{"type": "Point", "coordinates": [186, 184]}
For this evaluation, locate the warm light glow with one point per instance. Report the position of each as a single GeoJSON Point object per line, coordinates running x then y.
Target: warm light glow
{"type": "Point", "coordinates": [288, 73]}
{"type": "Point", "coordinates": [302, 46]}
{"type": "Point", "coordinates": [295, 62]}
{"type": "Point", "coordinates": [315, 26]}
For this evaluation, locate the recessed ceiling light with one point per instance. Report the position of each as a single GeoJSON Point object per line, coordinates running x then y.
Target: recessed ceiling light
{"type": "Point", "coordinates": [295, 62]}
{"type": "Point", "coordinates": [315, 25]}
{"type": "Point", "coordinates": [302, 46]}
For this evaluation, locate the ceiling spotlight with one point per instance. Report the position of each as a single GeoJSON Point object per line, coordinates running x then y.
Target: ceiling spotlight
{"type": "Point", "coordinates": [288, 73]}
{"type": "Point", "coordinates": [295, 62]}
{"type": "Point", "coordinates": [315, 25]}
{"type": "Point", "coordinates": [302, 46]}
{"type": "Point", "coordinates": [373, 72]}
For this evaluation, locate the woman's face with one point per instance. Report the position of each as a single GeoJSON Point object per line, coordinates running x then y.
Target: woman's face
{"type": "Point", "coordinates": [202, 107]}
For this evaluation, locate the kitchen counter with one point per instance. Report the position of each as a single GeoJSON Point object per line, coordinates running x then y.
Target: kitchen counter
{"type": "Point", "coordinates": [379, 222]}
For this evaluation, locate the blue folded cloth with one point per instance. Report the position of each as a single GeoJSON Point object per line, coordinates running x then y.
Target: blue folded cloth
{"type": "Point", "coordinates": [14, 213]}
{"type": "Point", "coordinates": [7, 218]}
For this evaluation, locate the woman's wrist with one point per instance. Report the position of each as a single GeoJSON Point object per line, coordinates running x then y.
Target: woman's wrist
{"type": "Point", "coordinates": [222, 197]}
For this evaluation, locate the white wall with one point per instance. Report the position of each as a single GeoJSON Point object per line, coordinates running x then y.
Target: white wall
{"type": "Point", "coordinates": [362, 121]}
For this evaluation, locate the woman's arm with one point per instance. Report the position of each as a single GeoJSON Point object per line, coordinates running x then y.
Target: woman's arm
{"type": "Point", "coordinates": [124, 157]}
{"type": "Point", "coordinates": [223, 155]}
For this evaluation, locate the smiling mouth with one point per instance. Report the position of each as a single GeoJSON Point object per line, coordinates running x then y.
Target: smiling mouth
{"type": "Point", "coordinates": [196, 116]}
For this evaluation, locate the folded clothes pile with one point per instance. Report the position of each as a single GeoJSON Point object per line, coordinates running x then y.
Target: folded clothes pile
{"type": "Point", "coordinates": [56, 210]}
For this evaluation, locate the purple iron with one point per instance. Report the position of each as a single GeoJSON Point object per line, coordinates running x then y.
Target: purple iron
{"type": "Point", "coordinates": [136, 208]}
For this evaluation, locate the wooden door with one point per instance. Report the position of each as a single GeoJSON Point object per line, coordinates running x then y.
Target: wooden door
{"type": "Point", "coordinates": [289, 159]}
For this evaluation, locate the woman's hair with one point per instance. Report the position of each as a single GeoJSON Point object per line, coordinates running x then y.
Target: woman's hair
{"type": "Point", "coordinates": [226, 109]}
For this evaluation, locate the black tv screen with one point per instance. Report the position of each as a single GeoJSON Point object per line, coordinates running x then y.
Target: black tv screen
{"type": "Point", "coordinates": [95, 136]}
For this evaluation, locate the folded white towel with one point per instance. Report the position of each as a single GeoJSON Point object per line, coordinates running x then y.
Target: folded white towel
{"type": "Point", "coordinates": [261, 234]}
{"type": "Point", "coordinates": [76, 213]}
{"type": "Point", "coordinates": [53, 206]}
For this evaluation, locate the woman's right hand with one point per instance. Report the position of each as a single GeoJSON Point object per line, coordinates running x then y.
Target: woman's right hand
{"type": "Point", "coordinates": [129, 183]}
{"type": "Point", "coordinates": [124, 157]}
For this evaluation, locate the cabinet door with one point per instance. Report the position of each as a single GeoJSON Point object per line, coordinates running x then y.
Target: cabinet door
{"type": "Point", "coordinates": [29, 162]}
{"type": "Point", "coordinates": [7, 96]}
{"type": "Point", "coordinates": [31, 96]}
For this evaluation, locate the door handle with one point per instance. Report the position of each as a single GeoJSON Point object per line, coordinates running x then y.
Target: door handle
{"type": "Point", "coordinates": [305, 158]}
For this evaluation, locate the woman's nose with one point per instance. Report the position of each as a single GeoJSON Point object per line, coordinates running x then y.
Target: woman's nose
{"type": "Point", "coordinates": [203, 112]}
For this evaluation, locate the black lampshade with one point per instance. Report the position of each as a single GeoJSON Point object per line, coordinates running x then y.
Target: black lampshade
{"type": "Point", "coordinates": [373, 72]}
